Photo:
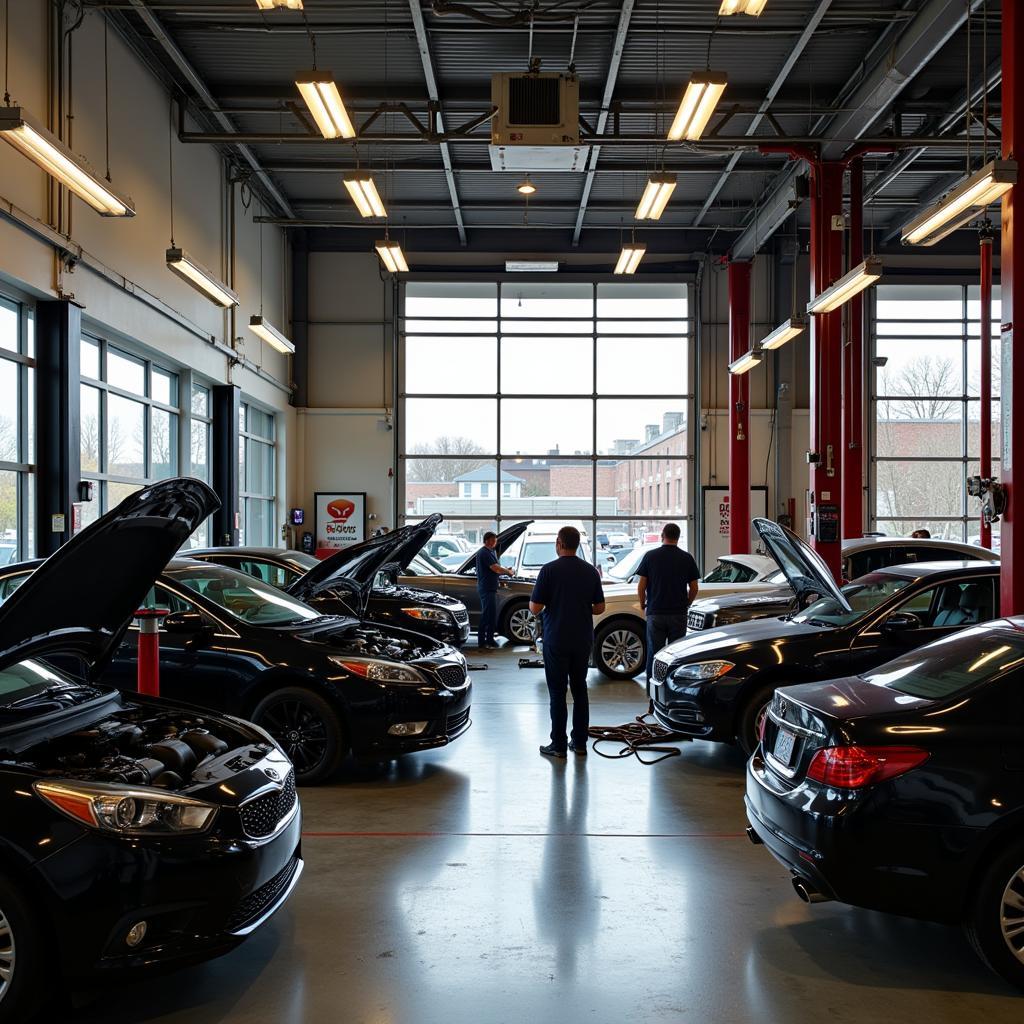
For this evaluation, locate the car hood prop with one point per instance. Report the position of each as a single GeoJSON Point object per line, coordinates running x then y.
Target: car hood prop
{"type": "Point", "coordinates": [506, 539]}
{"type": "Point", "coordinates": [803, 566]}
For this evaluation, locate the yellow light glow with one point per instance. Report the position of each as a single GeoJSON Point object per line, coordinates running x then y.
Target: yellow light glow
{"type": "Point", "coordinates": [656, 195]}
{"type": "Point", "coordinates": [862, 276]}
{"type": "Point", "coordinates": [364, 194]}
{"type": "Point", "coordinates": [321, 95]}
{"type": "Point", "coordinates": [784, 333]}
{"type": "Point", "coordinates": [392, 257]}
{"type": "Point", "coordinates": [269, 5]}
{"type": "Point", "coordinates": [745, 363]}
{"type": "Point", "coordinates": [271, 335]}
{"type": "Point", "coordinates": [629, 259]}
{"type": "Point", "coordinates": [703, 92]}
{"type": "Point", "coordinates": [200, 278]}
{"type": "Point", "coordinates": [751, 7]}
{"type": "Point", "coordinates": [526, 187]}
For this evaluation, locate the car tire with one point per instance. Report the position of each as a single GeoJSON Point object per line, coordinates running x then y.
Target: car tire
{"type": "Point", "coordinates": [24, 990]}
{"type": "Point", "coordinates": [995, 922]}
{"type": "Point", "coordinates": [748, 723]}
{"type": "Point", "coordinates": [308, 730]}
{"type": "Point", "coordinates": [620, 650]}
{"type": "Point", "coordinates": [517, 623]}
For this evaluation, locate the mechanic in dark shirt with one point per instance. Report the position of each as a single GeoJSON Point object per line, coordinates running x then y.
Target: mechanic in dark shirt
{"type": "Point", "coordinates": [487, 572]}
{"type": "Point", "coordinates": [568, 593]}
{"type": "Point", "coordinates": [667, 587]}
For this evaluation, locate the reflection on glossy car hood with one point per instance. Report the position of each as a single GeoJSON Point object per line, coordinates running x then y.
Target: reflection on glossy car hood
{"type": "Point", "coordinates": [713, 604]}
{"type": "Point", "coordinates": [718, 641]}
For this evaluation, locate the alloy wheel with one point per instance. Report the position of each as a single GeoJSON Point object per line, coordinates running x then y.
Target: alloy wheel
{"type": "Point", "coordinates": [300, 731]}
{"type": "Point", "coordinates": [1011, 915]}
{"type": "Point", "coordinates": [622, 650]}
{"type": "Point", "coordinates": [520, 625]}
{"type": "Point", "coordinates": [7, 955]}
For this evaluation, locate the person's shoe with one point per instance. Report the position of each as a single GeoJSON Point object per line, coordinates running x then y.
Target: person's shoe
{"type": "Point", "coordinates": [552, 751]}
{"type": "Point", "coordinates": [578, 751]}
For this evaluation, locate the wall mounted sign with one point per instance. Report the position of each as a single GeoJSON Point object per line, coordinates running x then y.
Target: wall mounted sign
{"type": "Point", "coordinates": [340, 519]}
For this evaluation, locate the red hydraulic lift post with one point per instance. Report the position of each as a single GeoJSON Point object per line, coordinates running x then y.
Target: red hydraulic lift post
{"type": "Point", "coordinates": [985, 426]}
{"type": "Point", "coordinates": [853, 371]}
{"type": "Point", "coordinates": [826, 365]}
{"type": "Point", "coordinates": [1011, 275]}
{"type": "Point", "coordinates": [739, 411]}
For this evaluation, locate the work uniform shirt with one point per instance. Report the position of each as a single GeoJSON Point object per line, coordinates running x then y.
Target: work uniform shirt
{"type": "Point", "coordinates": [669, 571]}
{"type": "Point", "coordinates": [486, 577]}
{"type": "Point", "coordinates": [568, 587]}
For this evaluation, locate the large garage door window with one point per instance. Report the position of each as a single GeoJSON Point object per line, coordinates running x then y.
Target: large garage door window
{"type": "Point", "coordinates": [927, 414]}
{"type": "Point", "coordinates": [16, 430]}
{"type": "Point", "coordinates": [257, 474]}
{"type": "Point", "coordinates": [559, 402]}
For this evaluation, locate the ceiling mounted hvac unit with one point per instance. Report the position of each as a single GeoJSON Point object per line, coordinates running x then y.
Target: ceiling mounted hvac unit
{"type": "Point", "coordinates": [536, 126]}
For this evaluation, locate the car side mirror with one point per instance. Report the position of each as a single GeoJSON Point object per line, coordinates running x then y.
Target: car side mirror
{"type": "Point", "coordinates": [184, 622]}
{"type": "Point", "coordinates": [900, 622]}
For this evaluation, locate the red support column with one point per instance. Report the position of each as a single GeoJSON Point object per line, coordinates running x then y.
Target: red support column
{"type": "Point", "coordinates": [739, 411]}
{"type": "Point", "coordinates": [985, 441]}
{"type": "Point", "coordinates": [1011, 275]}
{"type": "Point", "coordinates": [826, 364]}
{"type": "Point", "coordinates": [853, 372]}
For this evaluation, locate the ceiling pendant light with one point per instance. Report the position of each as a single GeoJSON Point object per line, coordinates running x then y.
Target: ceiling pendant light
{"type": "Point", "coordinates": [752, 7]}
{"type": "Point", "coordinates": [746, 362]}
{"type": "Point", "coordinates": [363, 190]}
{"type": "Point", "coordinates": [629, 258]}
{"type": "Point", "coordinates": [391, 256]}
{"type": "Point", "coordinates": [48, 152]}
{"type": "Point", "coordinates": [968, 200]}
{"type": "Point", "coordinates": [321, 95]}
{"type": "Point", "coordinates": [785, 332]}
{"type": "Point", "coordinates": [853, 283]}
{"type": "Point", "coordinates": [262, 328]}
{"type": "Point", "coordinates": [269, 5]}
{"type": "Point", "coordinates": [702, 94]}
{"type": "Point", "coordinates": [656, 196]}
{"type": "Point", "coordinates": [526, 187]}
{"type": "Point", "coordinates": [200, 278]}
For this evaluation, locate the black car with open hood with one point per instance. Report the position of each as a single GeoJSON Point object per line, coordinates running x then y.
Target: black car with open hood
{"type": "Point", "coordinates": [715, 684]}
{"type": "Point", "coordinates": [133, 831]}
{"type": "Point", "coordinates": [360, 581]}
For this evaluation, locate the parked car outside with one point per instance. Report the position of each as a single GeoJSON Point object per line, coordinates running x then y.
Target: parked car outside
{"type": "Point", "coordinates": [901, 789]}
{"type": "Point", "coordinates": [536, 548]}
{"type": "Point", "coordinates": [440, 547]}
{"type": "Point", "coordinates": [136, 833]}
{"type": "Point", "coordinates": [716, 684]}
{"type": "Point", "coordinates": [732, 574]}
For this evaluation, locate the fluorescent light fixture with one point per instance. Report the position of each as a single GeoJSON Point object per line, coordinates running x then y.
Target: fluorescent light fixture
{"type": "Point", "coordinates": [629, 258]}
{"type": "Point", "coordinates": [269, 5]}
{"type": "Point", "coordinates": [787, 331]}
{"type": "Point", "coordinates": [746, 362]}
{"type": "Point", "coordinates": [531, 266]}
{"type": "Point", "coordinates": [200, 278]}
{"type": "Point", "coordinates": [391, 256]}
{"type": "Point", "coordinates": [262, 328]}
{"type": "Point", "coordinates": [45, 149]}
{"type": "Point", "coordinates": [752, 7]}
{"type": "Point", "coordinates": [968, 200]}
{"type": "Point", "coordinates": [698, 104]}
{"type": "Point", "coordinates": [853, 283]}
{"type": "Point", "coordinates": [364, 194]}
{"type": "Point", "coordinates": [526, 187]}
{"type": "Point", "coordinates": [320, 92]}
{"type": "Point", "coordinates": [656, 196]}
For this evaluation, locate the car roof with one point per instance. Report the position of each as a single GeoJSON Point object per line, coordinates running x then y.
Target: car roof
{"type": "Point", "coordinates": [918, 570]}
{"type": "Point", "coordinates": [244, 550]}
{"type": "Point", "coordinates": [852, 544]}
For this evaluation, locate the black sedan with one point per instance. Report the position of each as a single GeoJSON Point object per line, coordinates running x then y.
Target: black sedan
{"type": "Point", "coordinates": [716, 684]}
{"type": "Point", "coordinates": [358, 581]}
{"type": "Point", "coordinates": [134, 832]}
{"type": "Point", "coordinates": [902, 789]}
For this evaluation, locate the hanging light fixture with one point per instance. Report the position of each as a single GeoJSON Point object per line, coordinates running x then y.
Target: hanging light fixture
{"type": "Point", "coordinates": [629, 258]}
{"type": "Point", "coordinates": [48, 152]}
{"type": "Point", "coordinates": [746, 362]}
{"type": "Point", "coordinates": [965, 202]}
{"type": "Point", "coordinates": [656, 196]}
{"type": "Point", "coordinates": [787, 331]}
{"type": "Point", "coordinates": [269, 5]}
{"type": "Point", "coordinates": [702, 94]}
{"type": "Point", "coordinates": [526, 187]}
{"type": "Point", "coordinates": [853, 283]}
{"type": "Point", "coordinates": [321, 95]}
{"type": "Point", "coordinates": [262, 328]}
{"type": "Point", "coordinates": [363, 190]}
{"type": "Point", "coordinates": [200, 278]}
{"type": "Point", "coordinates": [391, 256]}
{"type": "Point", "coordinates": [752, 7]}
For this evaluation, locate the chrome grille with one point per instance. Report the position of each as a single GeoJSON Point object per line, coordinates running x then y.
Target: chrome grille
{"type": "Point", "coordinates": [660, 671]}
{"type": "Point", "coordinates": [257, 902]}
{"type": "Point", "coordinates": [260, 817]}
{"type": "Point", "coordinates": [452, 676]}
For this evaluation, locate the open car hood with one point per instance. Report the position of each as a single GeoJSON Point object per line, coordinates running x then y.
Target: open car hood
{"type": "Point", "coordinates": [356, 567]}
{"type": "Point", "coordinates": [83, 597]}
{"type": "Point", "coordinates": [506, 539]}
{"type": "Point", "coordinates": [803, 566]}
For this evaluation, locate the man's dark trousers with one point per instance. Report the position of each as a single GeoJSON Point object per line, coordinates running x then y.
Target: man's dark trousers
{"type": "Point", "coordinates": [568, 670]}
{"type": "Point", "coordinates": [485, 631]}
{"type": "Point", "coordinates": [662, 630]}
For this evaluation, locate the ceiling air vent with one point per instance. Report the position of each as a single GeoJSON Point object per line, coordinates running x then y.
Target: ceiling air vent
{"type": "Point", "coordinates": [536, 126]}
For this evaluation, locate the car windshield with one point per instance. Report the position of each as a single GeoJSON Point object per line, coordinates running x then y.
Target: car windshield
{"type": "Point", "coordinates": [863, 596]}
{"type": "Point", "coordinates": [244, 597]}
{"type": "Point", "coordinates": [953, 664]}
{"type": "Point", "coordinates": [27, 677]}
{"type": "Point", "coordinates": [730, 572]}
{"type": "Point", "coordinates": [301, 561]}
{"type": "Point", "coordinates": [627, 565]}
{"type": "Point", "coordinates": [537, 553]}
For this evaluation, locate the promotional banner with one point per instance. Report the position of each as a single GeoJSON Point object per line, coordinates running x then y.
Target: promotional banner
{"type": "Point", "coordinates": [340, 520]}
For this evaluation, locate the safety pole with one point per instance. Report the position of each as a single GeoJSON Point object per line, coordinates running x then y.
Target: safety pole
{"type": "Point", "coordinates": [985, 441]}
{"type": "Point", "coordinates": [739, 411]}
{"type": "Point", "coordinates": [149, 650]}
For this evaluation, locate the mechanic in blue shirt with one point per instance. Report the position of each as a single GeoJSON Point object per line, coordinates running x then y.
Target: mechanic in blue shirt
{"type": "Point", "coordinates": [568, 592]}
{"type": "Point", "coordinates": [667, 586]}
{"type": "Point", "coordinates": [487, 572]}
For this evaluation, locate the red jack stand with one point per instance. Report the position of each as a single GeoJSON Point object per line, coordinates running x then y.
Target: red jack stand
{"type": "Point", "coordinates": [149, 649]}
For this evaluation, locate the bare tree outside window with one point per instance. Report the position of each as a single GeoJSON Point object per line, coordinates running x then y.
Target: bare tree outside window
{"type": "Point", "coordinates": [458, 460]}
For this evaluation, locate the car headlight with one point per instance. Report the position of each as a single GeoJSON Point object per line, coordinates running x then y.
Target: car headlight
{"type": "Point", "coordinates": [378, 671]}
{"type": "Point", "coordinates": [702, 671]}
{"type": "Point", "coordinates": [428, 614]}
{"type": "Point", "coordinates": [127, 810]}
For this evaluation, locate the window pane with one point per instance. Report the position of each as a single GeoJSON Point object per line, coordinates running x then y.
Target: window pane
{"type": "Point", "coordinates": [460, 426]}
{"type": "Point", "coordinates": [655, 486]}
{"type": "Point", "coordinates": [439, 326]}
{"type": "Point", "coordinates": [9, 326]}
{"type": "Point", "coordinates": [89, 354]}
{"type": "Point", "coordinates": [461, 488]}
{"type": "Point", "coordinates": [975, 369]}
{"type": "Point", "coordinates": [259, 468]}
{"type": "Point", "coordinates": [628, 299]}
{"type": "Point", "coordinates": [920, 368]}
{"type": "Point", "coordinates": [547, 327]}
{"type": "Point", "coordinates": [559, 365]}
{"type": "Point", "coordinates": [548, 487]}
{"type": "Point", "coordinates": [641, 366]}
{"type": "Point", "coordinates": [125, 433]}
{"type": "Point", "coordinates": [9, 406]}
{"type": "Point", "coordinates": [459, 298]}
{"type": "Point", "coordinates": [116, 493]}
{"type": "Point", "coordinates": [200, 460]}
{"type": "Point", "coordinates": [259, 521]}
{"type": "Point", "coordinates": [125, 372]}
{"type": "Point", "coordinates": [542, 298]}
{"type": "Point", "coordinates": [260, 423]}
{"type": "Point", "coordinates": [547, 426]}
{"type": "Point", "coordinates": [165, 386]}
{"type": "Point", "coordinates": [163, 444]}
{"type": "Point", "coordinates": [940, 529]}
{"type": "Point", "coordinates": [29, 454]}
{"type": "Point", "coordinates": [451, 365]}
{"type": "Point", "coordinates": [919, 489]}
{"type": "Point", "coordinates": [922, 428]}
{"type": "Point", "coordinates": [90, 428]}
{"type": "Point", "coordinates": [631, 425]}
{"type": "Point", "coordinates": [200, 400]}
{"type": "Point", "coordinates": [8, 517]}
{"type": "Point", "coordinates": [911, 302]}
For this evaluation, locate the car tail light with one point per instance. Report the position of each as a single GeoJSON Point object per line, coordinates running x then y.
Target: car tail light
{"type": "Point", "coordinates": [855, 767]}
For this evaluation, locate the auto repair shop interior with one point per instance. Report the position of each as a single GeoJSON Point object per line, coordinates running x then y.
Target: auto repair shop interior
{"type": "Point", "coordinates": [300, 301]}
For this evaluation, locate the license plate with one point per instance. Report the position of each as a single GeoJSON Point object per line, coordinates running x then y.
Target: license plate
{"type": "Point", "coordinates": [784, 744]}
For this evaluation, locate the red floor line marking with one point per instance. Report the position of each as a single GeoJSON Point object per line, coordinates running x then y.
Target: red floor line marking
{"type": "Point", "coordinates": [523, 835]}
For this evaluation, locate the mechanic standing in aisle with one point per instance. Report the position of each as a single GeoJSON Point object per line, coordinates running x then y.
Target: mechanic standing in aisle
{"type": "Point", "coordinates": [667, 587]}
{"type": "Point", "coordinates": [487, 572]}
{"type": "Point", "coordinates": [568, 592]}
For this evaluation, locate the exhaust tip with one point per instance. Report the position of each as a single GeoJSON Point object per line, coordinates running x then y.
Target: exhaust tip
{"type": "Point", "coordinates": [807, 892]}
{"type": "Point", "coordinates": [754, 837]}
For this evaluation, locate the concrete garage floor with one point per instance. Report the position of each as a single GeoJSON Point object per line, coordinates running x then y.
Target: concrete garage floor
{"type": "Point", "coordinates": [482, 883]}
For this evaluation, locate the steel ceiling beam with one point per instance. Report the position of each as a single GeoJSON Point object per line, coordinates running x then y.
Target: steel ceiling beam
{"type": "Point", "coordinates": [618, 46]}
{"type": "Point", "coordinates": [182, 63]}
{"type": "Point", "coordinates": [428, 73]}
